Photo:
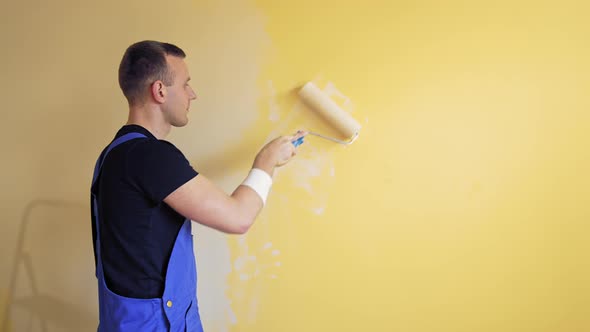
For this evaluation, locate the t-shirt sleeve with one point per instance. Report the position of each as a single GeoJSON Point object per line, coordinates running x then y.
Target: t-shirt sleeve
{"type": "Point", "coordinates": [158, 168]}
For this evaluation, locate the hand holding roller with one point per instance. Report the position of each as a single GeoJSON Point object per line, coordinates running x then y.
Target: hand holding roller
{"type": "Point", "coordinates": [318, 101]}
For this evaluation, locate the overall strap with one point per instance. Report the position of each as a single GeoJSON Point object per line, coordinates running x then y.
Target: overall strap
{"type": "Point", "coordinates": [99, 162]}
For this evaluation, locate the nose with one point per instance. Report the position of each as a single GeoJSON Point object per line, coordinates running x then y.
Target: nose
{"type": "Point", "coordinates": [193, 95]}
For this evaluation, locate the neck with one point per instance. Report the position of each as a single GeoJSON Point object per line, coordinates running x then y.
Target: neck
{"type": "Point", "coordinates": [149, 117]}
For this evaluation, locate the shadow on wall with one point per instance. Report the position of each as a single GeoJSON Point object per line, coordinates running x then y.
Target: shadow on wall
{"type": "Point", "coordinates": [52, 283]}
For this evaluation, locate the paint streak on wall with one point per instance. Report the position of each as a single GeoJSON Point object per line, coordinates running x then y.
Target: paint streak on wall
{"type": "Point", "coordinates": [256, 264]}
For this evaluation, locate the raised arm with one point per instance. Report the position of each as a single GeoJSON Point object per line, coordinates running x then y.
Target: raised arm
{"type": "Point", "coordinates": [204, 202]}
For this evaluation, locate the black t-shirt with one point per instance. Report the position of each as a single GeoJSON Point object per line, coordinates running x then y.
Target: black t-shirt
{"type": "Point", "coordinates": [137, 229]}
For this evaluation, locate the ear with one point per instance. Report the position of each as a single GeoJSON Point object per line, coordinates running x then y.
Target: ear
{"type": "Point", "coordinates": [158, 91]}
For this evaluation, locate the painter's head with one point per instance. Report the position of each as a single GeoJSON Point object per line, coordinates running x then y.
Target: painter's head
{"type": "Point", "coordinates": [143, 64]}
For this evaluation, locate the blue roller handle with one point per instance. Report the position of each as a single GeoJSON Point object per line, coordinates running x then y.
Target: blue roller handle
{"type": "Point", "coordinates": [298, 141]}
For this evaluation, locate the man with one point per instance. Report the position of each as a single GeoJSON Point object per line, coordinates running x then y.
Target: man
{"type": "Point", "coordinates": [144, 194]}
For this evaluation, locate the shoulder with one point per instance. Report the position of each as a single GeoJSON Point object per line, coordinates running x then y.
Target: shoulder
{"type": "Point", "coordinates": [157, 167]}
{"type": "Point", "coordinates": [154, 149]}
{"type": "Point", "coordinates": [152, 156]}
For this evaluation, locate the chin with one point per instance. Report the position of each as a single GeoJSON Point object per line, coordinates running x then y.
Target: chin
{"type": "Point", "coordinates": [181, 123]}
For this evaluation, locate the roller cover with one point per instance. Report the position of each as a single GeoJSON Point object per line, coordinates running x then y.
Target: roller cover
{"type": "Point", "coordinates": [317, 100]}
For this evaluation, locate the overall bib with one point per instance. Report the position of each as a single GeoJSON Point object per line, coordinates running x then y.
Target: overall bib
{"type": "Point", "coordinates": [177, 310]}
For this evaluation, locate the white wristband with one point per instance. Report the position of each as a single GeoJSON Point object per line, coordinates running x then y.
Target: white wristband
{"type": "Point", "coordinates": [260, 182]}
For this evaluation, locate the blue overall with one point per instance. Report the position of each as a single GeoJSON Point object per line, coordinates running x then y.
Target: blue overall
{"type": "Point", "coordinates": [176, 310]}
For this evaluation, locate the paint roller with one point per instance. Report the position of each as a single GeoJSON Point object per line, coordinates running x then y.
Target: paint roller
{"type": "Point", "coordinates": [321, 103]}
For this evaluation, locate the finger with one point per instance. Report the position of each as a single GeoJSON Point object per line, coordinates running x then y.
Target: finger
{"type": "Point", "coordinates": [300, 133]}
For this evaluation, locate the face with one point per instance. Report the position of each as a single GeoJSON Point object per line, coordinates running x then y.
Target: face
{"type": "Point", "coordinates": [179, 94]}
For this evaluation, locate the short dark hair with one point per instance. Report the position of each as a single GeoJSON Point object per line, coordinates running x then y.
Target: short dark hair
{"type": "Point", "coordinates": [143, 63]}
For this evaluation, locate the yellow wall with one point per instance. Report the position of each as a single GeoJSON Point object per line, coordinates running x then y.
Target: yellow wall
{"type": "Point", "coordinates": [463, 206]}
